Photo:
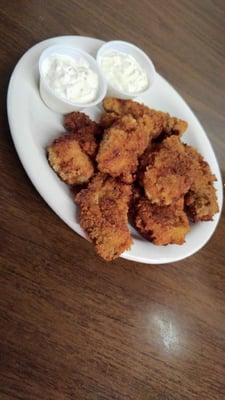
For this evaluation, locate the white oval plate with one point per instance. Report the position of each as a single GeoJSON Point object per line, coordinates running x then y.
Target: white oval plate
{"type": "Point", "coordinates": [33, 126]}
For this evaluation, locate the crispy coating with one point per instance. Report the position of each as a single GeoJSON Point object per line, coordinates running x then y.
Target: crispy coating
{"type": "Point", "coordinates": [77, 120]}
{"type": "Point", "coordinates": [167, 175]}
{"type": "Point", "coordinates": [108, 119]}
{"type": "Point", "coordinates": [161, 225]}
{"type": "Point", "coordinates": [172, 169]}
{"type": "Point", "coordinates": [87, 141]}
{"type": "Point", "coordinates": [162, 123]}
{"type": "Point", "coordinates": [85, 131]}
{"type": "Point", "coordinates": [122, 145]}
{"type": "Point", "coordinates": [173, 182]}
{"type": "Point", "coordinates": [69, 161]}
{"type": "Point", "coordinates": [103, 215]}
{"type": "Point", "coordinates": [131, 129]}
{"type": "Point", "coordinates": [201, 202]}
{"type": "Point", "coordinates": [121, 107]}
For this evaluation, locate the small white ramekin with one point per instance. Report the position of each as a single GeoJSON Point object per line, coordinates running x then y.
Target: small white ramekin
{"type": "Point", "coordinates": [55, 102]}
{"type": "Point", "coordinates": [140, 57]}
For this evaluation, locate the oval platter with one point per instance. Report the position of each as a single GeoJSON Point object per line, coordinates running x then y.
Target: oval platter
{"type": "Point", "coordinates": [33, 126]}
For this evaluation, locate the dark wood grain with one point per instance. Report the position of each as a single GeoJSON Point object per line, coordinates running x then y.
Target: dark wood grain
{"type": "Point", "coordinates": [72, 326]}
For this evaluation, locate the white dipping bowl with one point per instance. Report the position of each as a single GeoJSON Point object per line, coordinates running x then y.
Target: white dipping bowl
{"type": "Point", "coordinates": [51, 99]}
{"type": "Point", "coordinates": [142, 58]}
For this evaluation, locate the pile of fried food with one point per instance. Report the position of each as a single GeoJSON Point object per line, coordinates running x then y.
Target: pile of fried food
{"type": "Point", "coordinates": [133, 164]}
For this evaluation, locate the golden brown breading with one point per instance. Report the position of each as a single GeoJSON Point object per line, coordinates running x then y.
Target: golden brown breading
{"type": "Point", "coordinates": [162, 123]}
{"type": "Point", "coordinates": [69, 161]}
{"type": "Point", "coordinates": [121, 107]}
{"type": "Point", "coordinates": [77, 120]}
{"type": "Point", "coordinates": [132, 127]}
{"type": "Point", "coordinates": [85, 130]}
{"type": "Point", "coordinates": [121, 146]}
{"type": "Point", "coordinates": [168, 175]}
{"type": "Point", "coordinates": [173, 180]}
{"type": "Point", "coordinates": [161, 225]}
{"type": "Point", "coordinates": [103, 215]}
{"type": "Point", "coordinates": [108, 119]}
{"type": "Point", "coordinates": [87, 141]}
{"type": "Point", "coordinates": [145, 160]}
{"type": "Point", "coordinates": [201, 202]}
{"type": "Point", "coordinates": [172, 168]}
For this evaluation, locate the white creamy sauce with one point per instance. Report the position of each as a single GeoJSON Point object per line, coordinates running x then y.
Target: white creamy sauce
{"type": "Point", "coordinates": [71, 80]}
{"type": "Point", "coordinates": [123, 72]}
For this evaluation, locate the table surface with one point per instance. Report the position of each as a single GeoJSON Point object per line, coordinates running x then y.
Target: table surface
{"type": "Point", "coordinates": [71, 325]}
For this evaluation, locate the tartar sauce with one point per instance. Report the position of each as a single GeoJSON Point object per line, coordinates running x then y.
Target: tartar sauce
{"type": "Point", "coordinates": [123, 72]}
{"type": "Point", "coordinates": [70, 80]}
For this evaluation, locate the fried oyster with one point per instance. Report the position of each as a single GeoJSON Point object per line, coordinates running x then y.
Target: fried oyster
{"type": "Point", "coordinates": [133, 159]}
{"type": "Point", "coordinates": [201, 201]}
{"type": "Point", "coordinates": [162, 123]}
{"type": "Point", "coordinates": [161, 225]}
{"type": "Point", "coordinates": [86, 131]}
{"type": "Point", "coordinates": [122, 145]}
{"type": "Point", "coordinates": [103, 215]}
{"type": "Point", "coordinates": [69, 161]}
{"type": "Point", "coordinates": [167, 171]}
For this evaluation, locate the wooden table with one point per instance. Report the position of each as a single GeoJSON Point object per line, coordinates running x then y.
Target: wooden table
{"type": "Point", "coordinates": [71, 325]}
